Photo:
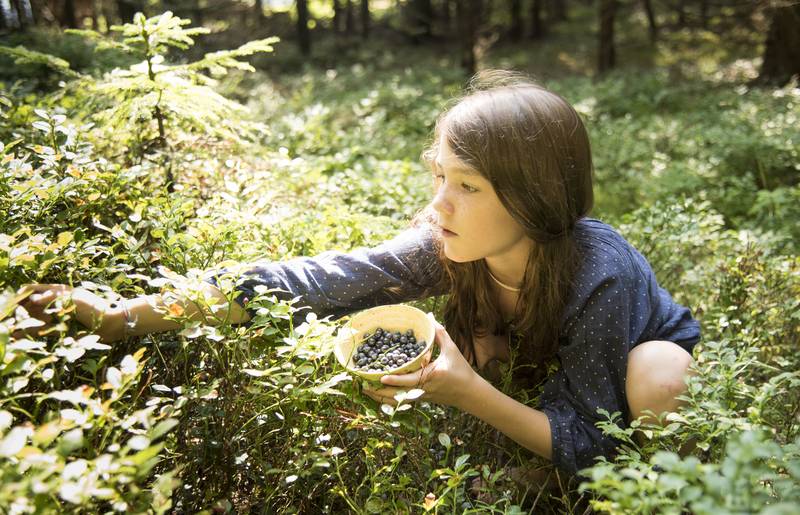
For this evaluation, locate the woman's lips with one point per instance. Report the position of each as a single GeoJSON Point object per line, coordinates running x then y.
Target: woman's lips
{"type": "Point", "coordinates": [447, 233]}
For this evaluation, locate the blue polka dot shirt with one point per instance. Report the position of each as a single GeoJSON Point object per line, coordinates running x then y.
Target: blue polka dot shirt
{"type": "Point", "coordinates": [616, 304]}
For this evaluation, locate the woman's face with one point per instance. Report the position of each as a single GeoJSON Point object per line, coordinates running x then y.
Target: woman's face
{"type": "Point", "coordinates": [474, 223]}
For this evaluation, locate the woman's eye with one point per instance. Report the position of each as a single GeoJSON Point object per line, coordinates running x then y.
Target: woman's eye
{"type": "Point", "coordinates": [440, 177]}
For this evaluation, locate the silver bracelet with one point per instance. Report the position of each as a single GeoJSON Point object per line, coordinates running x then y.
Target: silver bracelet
{"type": "Point", "coordinates": [125, 314]}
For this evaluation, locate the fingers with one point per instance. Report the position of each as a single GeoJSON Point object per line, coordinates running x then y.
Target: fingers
{"type": "Point", "coordinates": [36, 287]}
{"type": "Point", "coordinates": [426, 372]}
{"type": "Point", "coordinates": [446, 344]}
{"type": "Point", "coordinates": [412, 379]}
{"type": "Point", "coordinates": [441, 337]}
{"type": "Point", "coordinates": [427, 357]}
{"type": "Point", "coordinates": [383, 395]}
{"type": "Point", "coordinates": [41, 294]}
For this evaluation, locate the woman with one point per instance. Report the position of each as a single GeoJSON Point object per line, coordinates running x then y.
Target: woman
{"type": "Point", "coordinates": [506, 235]}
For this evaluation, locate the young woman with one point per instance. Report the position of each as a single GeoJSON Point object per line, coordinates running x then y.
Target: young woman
{"type": "Point", "coordinates": [506, 235]}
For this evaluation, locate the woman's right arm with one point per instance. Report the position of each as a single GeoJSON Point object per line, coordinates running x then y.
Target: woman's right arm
{"type": "Point", "coordinates": [332, 283]}
{"type": "Point", "coordinates": [145, 314]}
{"type": "Point", "coordinates": [336, 283]}
{"type": "Point", "coordinates": [142, 315]}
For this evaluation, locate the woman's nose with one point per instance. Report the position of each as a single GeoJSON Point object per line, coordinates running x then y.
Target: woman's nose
{"type": "Point", "coordinates": [440, 201]}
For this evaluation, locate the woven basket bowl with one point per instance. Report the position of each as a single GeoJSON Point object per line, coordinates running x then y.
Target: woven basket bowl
{"type": "Point", "coordinates": [393, 317]}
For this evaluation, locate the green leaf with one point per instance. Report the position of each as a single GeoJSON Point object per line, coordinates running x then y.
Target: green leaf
{"type": "Point", "coordinates": [4, 338]}
{"type": "Point", "coordinates": [145, 454]}
{"type": "Point", "coordinates": [162, 428]}
{"type": "Point", "coordinates": [24, 55]}
{"type": "Point", "coordinates": [327, 386]}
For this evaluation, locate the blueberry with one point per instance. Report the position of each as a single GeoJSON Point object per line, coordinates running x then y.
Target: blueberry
{"type": "Point", "coordinates": [412, 339]}
{"type": "Point", "coordinates": [403, 339]}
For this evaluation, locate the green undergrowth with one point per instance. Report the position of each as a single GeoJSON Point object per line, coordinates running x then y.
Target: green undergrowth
{"type": "Point", "coordinates": [700, 175]}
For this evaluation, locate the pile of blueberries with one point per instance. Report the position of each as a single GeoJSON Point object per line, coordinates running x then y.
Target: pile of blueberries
{"type": "Point", "coordinates": [384, 350]}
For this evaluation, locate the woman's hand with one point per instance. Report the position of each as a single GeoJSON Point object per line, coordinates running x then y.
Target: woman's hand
{"type": "Point", "coordinates": [92, 311]}
{"type": "Point", "coordinates": [445, 380]}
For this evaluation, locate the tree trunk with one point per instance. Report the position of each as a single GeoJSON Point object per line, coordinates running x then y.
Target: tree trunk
{"type": "Point", "coordinates": [537, 29]}
{"type": "Point", "coordinates": [349, 18]}
{"type": "Point", "coordinates": [4, 22]}
{"type": "Point", "coordinates": [338, 16]}
{"type": "Point", "coordinates": [16, 8]}
{"type": "Point", "coordinates": [303, 34]}
{"type": "Point", "coordinates": [515, 10]}
{"type": "Point", "coordinates": [446, 16]}
{"type": "Point", "coordinates": [108, 13]}
{"type": "Point", "coordinates": [651, 20]}
{"type": "Point", "coordinates": [258, 10]}
{"type": "Point", "coordinates": [606, 55]}
{"type": "Point", "coordinates": [782, 49]}
{"type": "Point", "coordinates": [704, 13]}
{"type": "Point", "coordinates": [27, 16]}
{"type": "Point", "coordinates": [421, 18]}
{"type": "Point", "coordinates": [198, 16]}
{"type": "Point", "coordinates": [364, 19]}
{"type": "Point", "coordinates": [468, 14]}
{"type": "Point", "coordinates": [68, 15]}
{"type": "Point", "coordinates": [681, 14]}
{"type": "Point", "coordinates": [558, 10]}
{"type": "Point", "coordinates": [127, 8]}
{"type": "Point", "coordinates": [95, 14]}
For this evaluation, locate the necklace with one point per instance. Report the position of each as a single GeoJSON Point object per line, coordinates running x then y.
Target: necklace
{"type": "Point", "coordinates": [498, 281]}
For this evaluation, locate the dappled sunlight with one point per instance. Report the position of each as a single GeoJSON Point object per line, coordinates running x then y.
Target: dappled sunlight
{"type": "Point", "coordinates": [121, 186]}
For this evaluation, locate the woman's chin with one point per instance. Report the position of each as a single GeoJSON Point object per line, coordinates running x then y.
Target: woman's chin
{"type": "Point", "coordinates": [456, 257]}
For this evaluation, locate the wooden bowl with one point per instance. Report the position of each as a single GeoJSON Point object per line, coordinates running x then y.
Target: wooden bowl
{"type": "Point", "coordinates": [393, 317]}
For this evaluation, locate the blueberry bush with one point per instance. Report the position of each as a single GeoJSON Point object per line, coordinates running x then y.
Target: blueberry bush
{"type": "Point", "coordinates": [116, 180]}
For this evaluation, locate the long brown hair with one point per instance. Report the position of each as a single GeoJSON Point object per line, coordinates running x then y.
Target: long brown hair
{"type": "Point", "coordinates": [533, 148]}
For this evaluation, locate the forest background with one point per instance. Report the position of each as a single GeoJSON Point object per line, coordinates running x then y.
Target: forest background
{"type": "Point", "coordinates": [140, 150]}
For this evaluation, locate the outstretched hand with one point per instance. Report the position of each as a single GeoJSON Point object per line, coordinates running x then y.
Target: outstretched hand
{"type": "Point", "coordinates": [90, 309]}
{"type": "Point", "coordinates": [444, 380]}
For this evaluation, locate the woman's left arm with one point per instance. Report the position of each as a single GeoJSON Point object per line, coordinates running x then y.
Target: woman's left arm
{"type": "Point", "coordinates": [527, 426]}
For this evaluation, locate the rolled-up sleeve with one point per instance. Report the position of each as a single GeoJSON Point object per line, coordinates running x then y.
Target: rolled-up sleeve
{"type": "Point", "coordinates": [336, 283]}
